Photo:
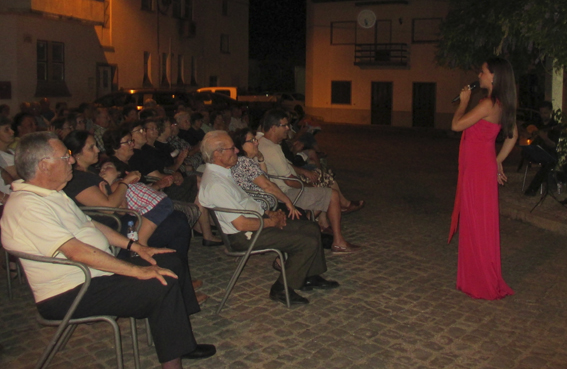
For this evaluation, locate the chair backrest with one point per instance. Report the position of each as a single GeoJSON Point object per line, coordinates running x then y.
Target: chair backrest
{"type": "Point", "coordinates": [104, 211]}
{"type": "Point", "coordinates": [223, 236]}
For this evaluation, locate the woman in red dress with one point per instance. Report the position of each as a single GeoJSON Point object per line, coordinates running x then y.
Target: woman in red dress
{"type": "Point", "coordinates": [480, 171]}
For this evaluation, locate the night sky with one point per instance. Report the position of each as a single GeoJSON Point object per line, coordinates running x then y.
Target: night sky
{"type": "Point", "coordinates": [277, 30]}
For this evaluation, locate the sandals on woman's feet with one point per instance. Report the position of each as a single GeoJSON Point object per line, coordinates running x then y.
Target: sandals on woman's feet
{"type": "Point", "coordinates": [354, 206]}
{"type": "Point", "coordinates": [345, 250]}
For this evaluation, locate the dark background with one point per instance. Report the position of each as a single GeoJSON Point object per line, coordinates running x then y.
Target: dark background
{"type": "Point", "coordinates": [277, 42]}
{"type": "Point", "coordinates": [277, 30]}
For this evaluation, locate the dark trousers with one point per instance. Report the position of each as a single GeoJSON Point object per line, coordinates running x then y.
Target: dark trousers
{"type": "Point", "coordinates": [173, 233]}
{"type": "Point", "coordinates": [166, 307]}
{"type": "Point", "coordinates": [300, 239]}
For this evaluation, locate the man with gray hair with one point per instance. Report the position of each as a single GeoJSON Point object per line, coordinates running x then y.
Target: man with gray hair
{"type": "Point", "coordinates": [40, 219]}
{"type": "Point", "coordinates": [301, 240]}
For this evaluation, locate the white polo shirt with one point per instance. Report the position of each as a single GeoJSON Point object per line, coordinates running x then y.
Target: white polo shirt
{"type": "Point", "coordinates": [38, 221]}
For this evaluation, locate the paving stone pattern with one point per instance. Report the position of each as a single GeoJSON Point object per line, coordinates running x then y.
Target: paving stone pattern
{"type": "Point", "coordinates": [397, 306]}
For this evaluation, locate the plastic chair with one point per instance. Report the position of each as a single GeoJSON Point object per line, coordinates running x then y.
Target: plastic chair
{"type": "Point", "coordinates": [245, 255]}
{"type": "Point", "coordinates": [67, 325]}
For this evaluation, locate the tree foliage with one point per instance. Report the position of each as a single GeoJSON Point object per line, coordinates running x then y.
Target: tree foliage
{"type": "Point", "coordinates": [526, 32]}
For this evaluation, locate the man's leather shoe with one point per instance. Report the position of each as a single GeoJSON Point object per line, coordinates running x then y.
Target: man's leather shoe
{"type": "Point", "coordinates": [201, 352]}
{"type": "Point", "coordinates": [277, 293]}
{"type": "Point", "coordinates": [317, 282]}
{"type": "Point", "coordinates": [212, 243]}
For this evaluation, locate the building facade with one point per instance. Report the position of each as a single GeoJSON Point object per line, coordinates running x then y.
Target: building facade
{"type": "Point", "coordinates": [372, 62]}
{"type": "Point", "coordinates": [78, 50]}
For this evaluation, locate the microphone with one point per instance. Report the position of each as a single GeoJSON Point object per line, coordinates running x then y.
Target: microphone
{"type": "Point", "coordinates": [472, 86]}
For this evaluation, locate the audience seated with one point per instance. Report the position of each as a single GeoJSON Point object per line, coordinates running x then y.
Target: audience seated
{"type": "Point", "coordinates": [301, 240]}
{"type": "Point", "coordinates": [250, 172]}
{"type": "Point", "coordinates": [194, 158]}
{"type": "Point", "coordinates": [61, 127]}
{"type": "Point", "coordinates": [40, 219]}
{"type": "Point", "coordinates": [147, 161]}
{"type": "Point", "coordinates": [236, 121]}
{"type": "Point", "coordinates": [325, 200]}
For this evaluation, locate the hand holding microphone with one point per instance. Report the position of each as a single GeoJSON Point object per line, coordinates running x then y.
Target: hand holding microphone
{"type": "Point", "coordinates": [471, 86]}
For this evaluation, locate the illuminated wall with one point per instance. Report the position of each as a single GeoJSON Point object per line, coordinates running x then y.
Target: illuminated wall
{"type": "Point", "coordinates": [113, 35]}
{"type": "Point", "coordinates": [327, 62]}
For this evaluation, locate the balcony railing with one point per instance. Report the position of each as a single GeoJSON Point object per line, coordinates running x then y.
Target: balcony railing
{"type": "Point", "coordinates": [381, 55]}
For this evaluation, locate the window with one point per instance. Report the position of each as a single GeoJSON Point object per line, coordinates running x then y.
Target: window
{"type": "Point", "coordinates": [425, 30]}
{"type": "Point", "coordinates": [176, 9]}
{"type": "Point", "coordinates": [343, 33]}
{"type": "Point", "coordinates": [340, 92]}
{"type": "Point", "coordinates": [213, 81]}
{"type": "Point", "coordinates": [148, 5]}
{"type": "Point", "coordinates": [147, 82]}
{"type": "Point", "coordinates": [41, 60]}
{"type": "Point", "coordinates": [51, 69]}
{"type": "Point", "coordinates": [224, 44]}
{"type": "Point", "coordinates": [225, 7]}
{"type": "Point", "coordinates": [188, 9]}
{"type": "Point", "coordinates": [50, 61]}
{"type": "Point", "coordinates": [180, 70]}
{"type": "Point", "coordinates": [164, 60]}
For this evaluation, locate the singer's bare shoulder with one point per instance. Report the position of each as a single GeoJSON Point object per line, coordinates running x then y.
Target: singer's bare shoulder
{"type": "Point", "coordinates": [484, 110]}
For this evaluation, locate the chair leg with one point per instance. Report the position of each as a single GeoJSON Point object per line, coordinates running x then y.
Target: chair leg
{"type": "Point", "coordinates": [525, 176]}
{"type": "Point", "coordinates": [232, 282]}
{"type": "Point", "coordinates": [8, 276]}
{"type": "Point", "coordinates": [53, 346]}
{"type": "Point", "coordinates": [135, 343]}
{"type": "Point", "coordinates": [282, 259]}
{"type": "Point", "coordinates": [117, 341]}
{"type": "Point", "coordinates": [149, 333]}
{"type": "Point", "coordinates": [66, 336]}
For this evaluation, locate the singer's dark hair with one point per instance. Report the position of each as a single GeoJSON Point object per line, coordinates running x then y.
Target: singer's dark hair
{"type": "Point", "coordinates": [504, 92]}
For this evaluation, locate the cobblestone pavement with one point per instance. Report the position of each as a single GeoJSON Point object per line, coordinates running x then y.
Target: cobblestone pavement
{"type": "Point", "coordinates": [397, 306]}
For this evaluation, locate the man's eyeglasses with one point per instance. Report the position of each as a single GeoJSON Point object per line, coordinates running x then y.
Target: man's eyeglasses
{"type": "Point", "coordinates": [141, 130]}
{"type": "Point", "coordinates": [284, 125]}
{"type": "Point", "coordinates": [228, 148]}
{"type": "Point", "coordinates": [129, 142]}
{"type": "Point", "coordinates": [252, 140]}
{"type": "Point", "coordinates": [65, 158]}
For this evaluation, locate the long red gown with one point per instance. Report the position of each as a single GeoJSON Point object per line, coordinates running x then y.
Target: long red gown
{"type": "Point", "coordinates": [476, 213]}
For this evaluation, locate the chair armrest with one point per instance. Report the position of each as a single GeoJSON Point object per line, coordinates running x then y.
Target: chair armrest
{"type": "Point", "coordinates": [100, 211]}
{"type": "Point", "coordinates": [213, 212]}
{"type": "Point", "coordinates": [261, 196]}
{"type": "Point", "coordinates": [291, 179]}
{"type": "Point", "coordinates": [45, 259]}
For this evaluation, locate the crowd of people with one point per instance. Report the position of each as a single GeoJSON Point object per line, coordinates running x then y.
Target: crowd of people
{"type": "Point", "coordinates": [170, 170]}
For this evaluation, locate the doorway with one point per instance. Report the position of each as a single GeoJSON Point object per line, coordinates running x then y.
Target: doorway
{"type": "Point", "coordinates": [423, 109]}
{"type": "Point", "coordinates": [381, 103]}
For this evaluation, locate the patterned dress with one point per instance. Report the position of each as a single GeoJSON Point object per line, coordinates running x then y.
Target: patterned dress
{"type": "Point", "coordinates": [245, 172]}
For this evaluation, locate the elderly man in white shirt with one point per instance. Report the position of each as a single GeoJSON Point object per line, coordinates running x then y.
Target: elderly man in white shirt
{"type": "Point", "coordinates": [301, 240]}
{"type": "Point", "coordinates": [40, 219]}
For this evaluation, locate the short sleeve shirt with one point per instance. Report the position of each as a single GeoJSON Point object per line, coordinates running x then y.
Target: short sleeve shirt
{"type": "Point", "coordinates": [218, 189]}
{"type": "Point", "coordinates": [39, 221]}
{"type": "Point", "coordinates": [276, 162]}
{"type": "Point", "coordinates": [80, 182]}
